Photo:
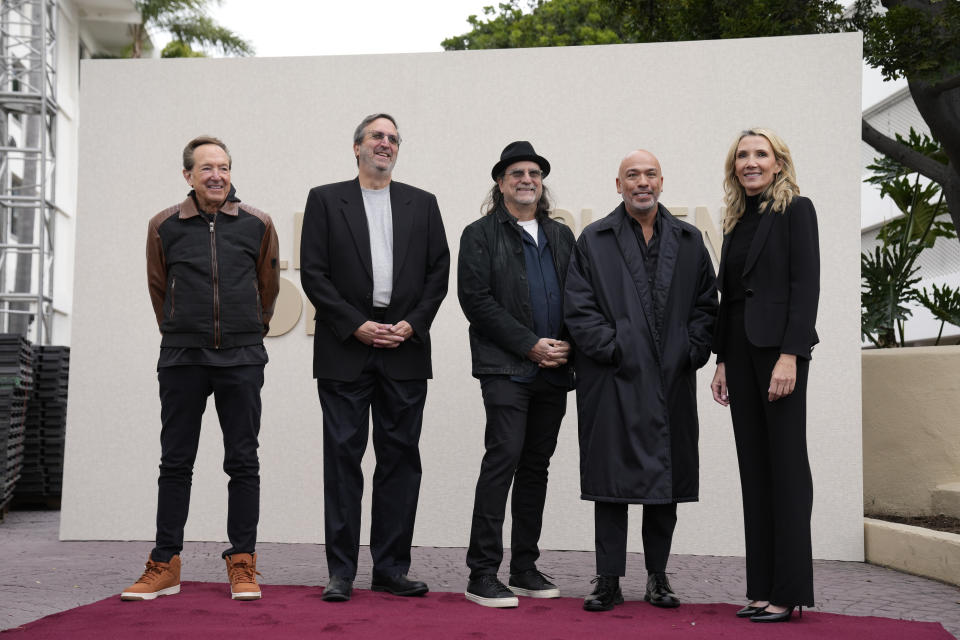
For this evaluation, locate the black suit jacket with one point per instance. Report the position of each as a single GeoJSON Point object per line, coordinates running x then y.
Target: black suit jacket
{"type": "Point", "coordinates": [336, 272]}
{"type": "Point", "coordinates": [782, 279]}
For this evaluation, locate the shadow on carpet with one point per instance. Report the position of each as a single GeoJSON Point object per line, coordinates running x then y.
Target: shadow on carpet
{"type": "Point", "coordinates": [205, 610]}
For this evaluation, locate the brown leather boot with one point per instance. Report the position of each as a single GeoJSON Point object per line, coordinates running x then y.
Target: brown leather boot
{"type": "Point", "coordinates": [158, 579]}
{"type": "Point", "coordinates": [242, 570]}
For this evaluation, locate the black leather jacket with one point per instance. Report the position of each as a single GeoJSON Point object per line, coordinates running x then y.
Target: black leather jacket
{"type": "Point", "coordinates": [213, 283]}
{"type": "Point", "coordinates": [494, 294]}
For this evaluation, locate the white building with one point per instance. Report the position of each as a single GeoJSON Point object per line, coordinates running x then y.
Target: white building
{"type": "Point", "coordinates": [41, 45]}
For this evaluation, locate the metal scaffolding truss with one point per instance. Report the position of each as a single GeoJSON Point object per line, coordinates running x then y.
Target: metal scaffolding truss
{"type": "Point", "coordinates": [28, 128]}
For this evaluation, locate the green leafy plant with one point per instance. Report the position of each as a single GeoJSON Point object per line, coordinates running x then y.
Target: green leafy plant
{"type": "Point", "coordinates": [889, 273]}
{"type": "Point", "coordinates": [190, 26]}
{"type": "Point", "coordinates": [888, 286]}
{"type": "Point", "coordinates": [944, 303]}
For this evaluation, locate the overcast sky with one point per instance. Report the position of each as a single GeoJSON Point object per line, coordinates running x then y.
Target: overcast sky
{"type": "Point", "coordinates": [321, 27]}
{"type": "Point", "coordinates": [344, 27]}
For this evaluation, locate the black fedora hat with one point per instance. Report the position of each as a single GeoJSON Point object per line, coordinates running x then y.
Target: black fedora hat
{"type": "Point", "coordinates": [515, 152]}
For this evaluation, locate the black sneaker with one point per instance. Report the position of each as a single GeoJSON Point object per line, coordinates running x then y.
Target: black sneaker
{"type": "Point", "coordinates": [605, 595]}
{"type": "Point", "coordinates": [487, 591]}
{"type": "Point", "coordinates": [533, 584]}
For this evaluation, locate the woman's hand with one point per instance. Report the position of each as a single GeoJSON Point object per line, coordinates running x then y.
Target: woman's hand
{"type": "Point", "coordinates": [719, 385]}
{"type": "Point", "coordinates": [784, 377]}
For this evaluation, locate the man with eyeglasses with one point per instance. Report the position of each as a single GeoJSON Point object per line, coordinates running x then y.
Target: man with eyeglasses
{"type": "Point", "coordinates": [510, 277]}
{"type": "Point", "coordinates": [374, 262]}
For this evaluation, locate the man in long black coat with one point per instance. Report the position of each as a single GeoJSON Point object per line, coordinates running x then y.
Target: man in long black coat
{"type": "Point", "coordinates": [640, 303]}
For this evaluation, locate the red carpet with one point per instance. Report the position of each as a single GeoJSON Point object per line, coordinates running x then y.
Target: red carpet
{"type": "Point", "coordinates": [204, 610]}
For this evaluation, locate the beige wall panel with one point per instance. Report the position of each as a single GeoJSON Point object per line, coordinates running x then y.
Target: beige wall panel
{"type": "Point", "coordinates": [911, 434]}
{"type": "Point", "coordinates": [289, 122]}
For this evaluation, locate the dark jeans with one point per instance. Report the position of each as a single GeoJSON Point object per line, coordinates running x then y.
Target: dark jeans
{"type": "Point", "coordinates": [397, 419]}
{"type": "Point", "coordinates": [523, 420]}
{"type": "Point", "coordinates": [610, 530]}
{"type": "Point", "coordinates": [775, 478]}
{"type": "Point", "coordinates": [183, 398]}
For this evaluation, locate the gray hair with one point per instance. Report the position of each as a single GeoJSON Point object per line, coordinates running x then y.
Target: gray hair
{"type": "Point", "coordinates": [358, 132]}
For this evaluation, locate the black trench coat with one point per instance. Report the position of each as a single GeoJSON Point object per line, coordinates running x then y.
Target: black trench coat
{"type": "Point", "coordinates": [636, 386]}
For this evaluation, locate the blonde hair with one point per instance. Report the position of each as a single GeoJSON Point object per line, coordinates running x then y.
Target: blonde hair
{"type": "Point", "coordinates": [778, 194]}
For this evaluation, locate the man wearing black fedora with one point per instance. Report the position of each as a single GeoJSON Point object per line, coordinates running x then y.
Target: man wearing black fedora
{"type": "Point", "coordinates": [511, 272]}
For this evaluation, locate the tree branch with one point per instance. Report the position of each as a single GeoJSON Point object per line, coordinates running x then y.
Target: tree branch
{"type": "Point", "coordinates": [920, 5]}
{"type": "Point", "coordinates": [946, 85]}
{"type": "Point", "coordinates": [903, 154]}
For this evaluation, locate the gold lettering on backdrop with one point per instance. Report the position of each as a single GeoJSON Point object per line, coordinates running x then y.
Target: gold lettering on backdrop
{"type": "Point", "coordinates": [311, 312]}
{"type": "Point", "coordinates": [289, 307]}
{"type": "Point", "coordinates": [586, 217]}
{"type": "Point", "coordinates": [291, 303]}
{"type": "Point", "coordinates": [564, 216]}
{"type": "Point", "coordinates": [714, 238]}
{"type": "Point", "coordinates": [297, 229]}
{"type": "Point", "coordinates": [702, 220]}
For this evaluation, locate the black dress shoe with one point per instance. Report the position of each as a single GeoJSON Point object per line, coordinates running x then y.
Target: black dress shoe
{"type": "Point", "coordinates": [398, 585]}
{"type": "Point", "coordinates": [338, 589]}
{"type": "Point", "coordinates": [770, 616]}
{"type": "Point", "coordinates": [659, 592]}
{"type": "Point", "coordinates": [748, 611]}
{"type": "Point", "coordinates": [605, 595]}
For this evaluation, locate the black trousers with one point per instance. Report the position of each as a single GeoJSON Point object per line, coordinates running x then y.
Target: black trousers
{"type": "Point", "coordinates": [397, 419]}
{"type": "Point", "coordinates": [183, 398]}
{"type": "Point", "coordinates": [775, 475]}
{"type": "Point", "coordinates": [523, 420]}
{"type": "Point", "coordinates": [610, 535]}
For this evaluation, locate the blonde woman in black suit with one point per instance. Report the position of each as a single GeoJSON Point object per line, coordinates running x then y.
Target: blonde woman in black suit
{"type": "Point", "coordinates": [770, 283]}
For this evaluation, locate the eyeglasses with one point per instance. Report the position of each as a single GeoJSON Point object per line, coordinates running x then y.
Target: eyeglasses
{"type": "Point", "coordinates": [517, 174]}
{"type": "Point", "coordinates": [379, 136]}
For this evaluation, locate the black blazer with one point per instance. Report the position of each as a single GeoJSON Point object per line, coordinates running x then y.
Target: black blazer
{"type": "Point", "coordinates": [782, 282]}
{"type": "Point", "coordinates": [336, 272]}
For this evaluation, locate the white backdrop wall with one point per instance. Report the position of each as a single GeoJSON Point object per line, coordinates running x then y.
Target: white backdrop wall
{"type": "Point", "coordinates": [289, 122]}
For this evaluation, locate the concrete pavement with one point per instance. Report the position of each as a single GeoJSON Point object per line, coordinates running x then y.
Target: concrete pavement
{"type": "Point", "coordinates": [40, 575]}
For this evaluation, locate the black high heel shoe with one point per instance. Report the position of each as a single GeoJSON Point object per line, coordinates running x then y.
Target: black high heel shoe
{"type": "Point", "coordinates": [770, 616]}
{"type": "Point", "coordinates": [748, 611]}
